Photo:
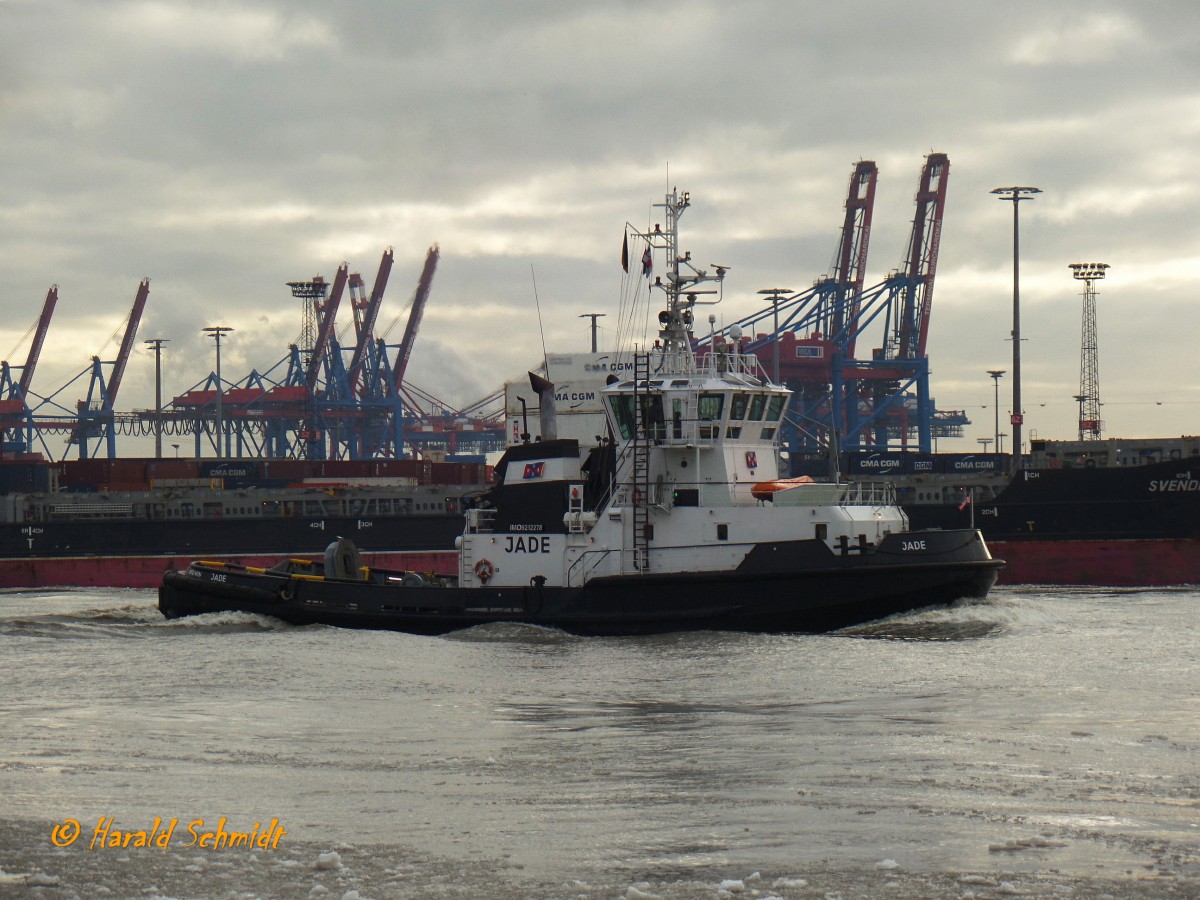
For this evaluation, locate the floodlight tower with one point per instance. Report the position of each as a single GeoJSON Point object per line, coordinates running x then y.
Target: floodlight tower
{"type": "Point", "coordinates": [1090, 426]}
{"type": "Point", "coordinates": [311, 295]}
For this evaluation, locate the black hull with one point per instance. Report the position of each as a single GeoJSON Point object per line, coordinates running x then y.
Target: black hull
{"type": "Point", "coordinates": [766, 594]}
{"type": "Point", "coordinates": [279, 536]}
{"type": "Point", "coordinates": [1157, 501]}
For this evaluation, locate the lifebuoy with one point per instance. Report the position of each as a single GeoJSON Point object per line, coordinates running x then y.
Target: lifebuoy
{"type": "Point", "coordinates": [484, 570]}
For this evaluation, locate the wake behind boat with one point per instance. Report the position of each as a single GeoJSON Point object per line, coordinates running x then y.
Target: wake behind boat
{"type": "Point", "coordinates": [680, 520]}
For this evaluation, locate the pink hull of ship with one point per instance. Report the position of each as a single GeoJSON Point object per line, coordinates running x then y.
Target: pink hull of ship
{"type": "Point", "coordinates": [1118, 563]}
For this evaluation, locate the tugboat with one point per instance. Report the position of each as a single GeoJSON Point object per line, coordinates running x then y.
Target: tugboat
{"type": "Point", "coordinates": [679, 520]}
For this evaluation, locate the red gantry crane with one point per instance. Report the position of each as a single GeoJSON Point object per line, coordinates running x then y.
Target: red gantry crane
{"type": "Point", "coordinates": [814, 334]}
{"type": "Point", "coordinates": [326, 311]}
{"type": "Point", "coordinates": [96, 412]}
{"type": "Point", "coordinates": [94, 419]}
{"type": "Point", "coordinates": [364, 326]}
{"type": "Point", "coordinates": [850, 270]}
{"type": "Point", "coordinates": [14, 398]}
{"type": "Point", "coordinates": [416, 312]}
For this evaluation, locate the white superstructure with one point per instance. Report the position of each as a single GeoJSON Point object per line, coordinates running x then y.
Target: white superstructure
{"type": "Point", "coordinates": [694, 478]}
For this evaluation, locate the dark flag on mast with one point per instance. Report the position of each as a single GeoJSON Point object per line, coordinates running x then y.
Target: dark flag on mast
{"type": "Point", "coordinates": [625, 252]}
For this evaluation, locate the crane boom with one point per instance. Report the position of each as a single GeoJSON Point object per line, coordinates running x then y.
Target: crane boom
{"type": "Point", "coordinates": [414, 316]}
{"type": "Point", "coordinates": [39, 338]}
{"type": "Point", "coordinates": [327, 313]}
{"type": "Point", "coordinates": [358, 301]}
{"type": "Point", "coordinates": [912, 323]}
{"type": "Point", "coordinates": [135, 318]}
{"type": "Point", "coordinates": [368, 322]}
{"type": "Point", "coordinates": [851, 267]}
{"type": "Point", "coordinates": [933, 197]}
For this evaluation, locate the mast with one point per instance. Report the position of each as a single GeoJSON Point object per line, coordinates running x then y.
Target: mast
{"type": "Point", "coordinates": [680, 284]}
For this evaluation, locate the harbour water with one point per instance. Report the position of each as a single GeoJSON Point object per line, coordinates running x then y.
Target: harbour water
{"type": "Point", "coordinates": [1042, 743]}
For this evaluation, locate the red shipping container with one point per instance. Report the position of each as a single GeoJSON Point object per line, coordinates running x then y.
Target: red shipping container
{"type": "Point", "coordinates": [85, 471]}
{"type": "Point", "coordinates": [173, 468]}
{"type": "Point", "coordinates": [127, 470]}
{"type": "Point", "coordinates": [285, 469]}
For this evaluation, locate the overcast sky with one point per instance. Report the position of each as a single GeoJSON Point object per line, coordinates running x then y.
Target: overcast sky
{"type": "Point", "coordinates": [224, 149]}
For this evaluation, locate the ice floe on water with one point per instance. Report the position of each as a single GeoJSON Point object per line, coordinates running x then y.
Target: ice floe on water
{"type": "Point", "coordinates": [1036, 745]}
{"type": "Point", "coordinates": [382, 872]}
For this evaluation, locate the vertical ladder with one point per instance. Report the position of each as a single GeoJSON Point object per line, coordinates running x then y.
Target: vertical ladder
{"type": "Point", "coordinates": [641, 464]}
{"type": "Point", "coordinates": [575, 509]}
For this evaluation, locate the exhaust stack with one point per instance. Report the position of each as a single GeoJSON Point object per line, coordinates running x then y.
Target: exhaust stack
{"type": "Point", "coordinates": [549, 416]}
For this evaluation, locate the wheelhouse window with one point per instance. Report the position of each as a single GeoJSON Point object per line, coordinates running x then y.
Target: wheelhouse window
{"type": "Point", "coordinates": [757, 405]}
{"type": "Point", "coordinates": [737, 412]}
{"type": "Point", "coordinates": [626, 414]}
{"type": "Point", "coordinates": [709, 410]}
{"type": "Point", "coordinates": [774, 412]}
{"type": "Point", "coordinates": [711, 406]}
{"type": "Point", "coordinates": [622, 407]}
{"type": "Point", "coordinates": [737, 406]}
{"type": "Point", "coordinates": [652, 417]}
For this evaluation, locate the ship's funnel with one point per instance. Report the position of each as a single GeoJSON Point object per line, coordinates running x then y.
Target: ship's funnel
{"type": "Point", "coordinates": [545, 391]}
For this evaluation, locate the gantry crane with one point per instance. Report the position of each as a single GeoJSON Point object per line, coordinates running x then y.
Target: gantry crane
{"type": "Point", "coordinates": [96, 411]}
{"type": "Point", "coordinates": [92, 420]}
{"type": "Point", "coordinates": [814, 334]}
{"type": "Point", "coordinates": [906, 300]}
{"type": "Point", "coordinates": [15, 412]}
{"type": "Point", "coordinates": [357, 411]}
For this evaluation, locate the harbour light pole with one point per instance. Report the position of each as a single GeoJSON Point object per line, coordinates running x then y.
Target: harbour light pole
{"type": "Point", "coordinates": [996, 373]}
{"type": "Point", "coordinates": [593, 317]}
{"type": "Point", "coordinates": [215, 332]}
{"type": "Point", "coordinates": [157, 344]}
{"type": "Point", "coordinates": [774, 293]}
{"type": "Point", "coordinates": [1016, 195]}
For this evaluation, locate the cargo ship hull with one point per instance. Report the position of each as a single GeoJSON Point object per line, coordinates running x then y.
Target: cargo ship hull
{"type": "Point", "coordinates": [1112, 563]}
{"type": "Point", "coordinates": [122, 523]}
{"type": "Point", "coordinates": [1120, 526]}
{"type": "Point", "coordinates": [146, 571]}
{"type": "Point", "coordinates": [132, 553]}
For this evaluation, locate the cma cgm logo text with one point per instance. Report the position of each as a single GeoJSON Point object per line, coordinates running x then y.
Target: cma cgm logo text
{"type": "Point", "coordinates": [1185, 482]}
{"type": "Point", "coordinates": [875, 462]}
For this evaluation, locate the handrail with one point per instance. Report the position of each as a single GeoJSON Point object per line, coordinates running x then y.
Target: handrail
{"type": "Point", "coordinates": [481, 520]}
{"type": "Point", "coordinates": [602, 554]}
{"type": "Point", "coordinates": [721, 363]}
{"type": "Point", "coordinates": [868, 493]}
